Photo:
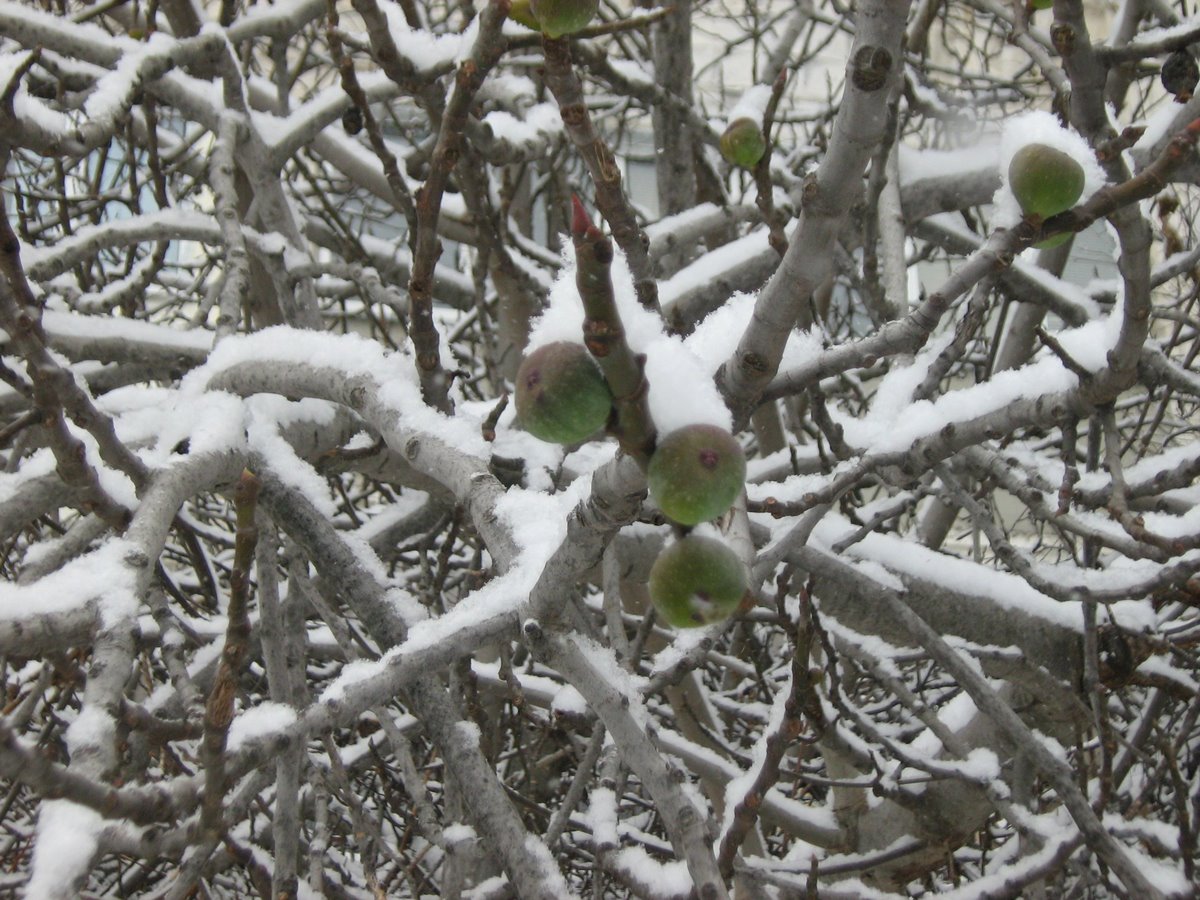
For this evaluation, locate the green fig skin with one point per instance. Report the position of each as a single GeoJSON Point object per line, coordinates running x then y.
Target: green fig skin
{"type": "Point", "coordinates": [561, 394]}
{"type": "Point", "coordinates": [1054, 241]}
{"type": "Point", "coordinates": [696, 473]}
{"type": "Point", "coordinates": [742, 143]}
{"type": "Point", "coordinates": [1045, 182]}
{"type": "Point", "coordinates": [1041, 4]}
{"type": "Point", "coordinates": [521, 11]}
{"type": "Point", "coordinates": [559, 17]}
{"type": "Point", "coordinates": [696, 581]}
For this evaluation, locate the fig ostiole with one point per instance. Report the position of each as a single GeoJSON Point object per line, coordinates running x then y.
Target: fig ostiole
{"type": "Point", "coordinates": [561, 394]}
{"type": "Point", "coordinates": [696, 472]}
{"type": "Point", "coordinates": [696, 581]}
{"type": "Point", "coordinates": [742, 143]}
{"type": "Point", "coordinates": [1045, 182]}
{"type": "Point", "coordinates": [556, 18]}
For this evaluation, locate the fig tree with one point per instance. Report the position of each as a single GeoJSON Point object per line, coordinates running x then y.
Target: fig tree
{"type": "Point", "coordinates": [743, 144]}
{"type": "Point", "coordinates": [1045, 182]}
{"type": "Point", "coordinates": [696, 473]}
{"type": "Point", "coordinates": [696, 581]}
{"type": "Point", "coordinates": [561, 395]}
{"type": "Point", "coordinates": [558, 17]}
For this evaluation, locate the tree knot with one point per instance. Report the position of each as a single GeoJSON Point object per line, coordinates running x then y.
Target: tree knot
{"type": "Point", "coordinates": [870, 68]}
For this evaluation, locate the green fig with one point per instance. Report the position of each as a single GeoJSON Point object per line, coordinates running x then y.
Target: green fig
{"type": "Point", "coordinates": [559, 17]}
{"type": "Point", "coordinates": [696, 581]}
{"type": "Point", "coordinates": [743, 144]}
{"type": "Point", "coordinates": [696, 473]}
{"type": "Point", "coordinates": [521, 11]}
{"type": "Point", "coordinates": [1045, 182]}
{"type": "Point", "coordinates": [1040, 4]}
{"type": "Point", "coordinates": [561, 395]}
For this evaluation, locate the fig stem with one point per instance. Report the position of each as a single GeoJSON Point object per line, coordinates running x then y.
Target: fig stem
{"type": "Point", "coordinates": [604, 336]}
{"type": "Point", "coordinates": [567, 88]}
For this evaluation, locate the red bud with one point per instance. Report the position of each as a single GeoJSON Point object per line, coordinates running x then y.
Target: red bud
{"type": "Point", "coordinates": [581, 222]}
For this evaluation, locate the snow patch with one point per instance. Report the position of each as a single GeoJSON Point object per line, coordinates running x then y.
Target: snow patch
{"type": "Point", "coordinates": [68, 836]}
{"type": "Point", "coordinates": [262, 720]}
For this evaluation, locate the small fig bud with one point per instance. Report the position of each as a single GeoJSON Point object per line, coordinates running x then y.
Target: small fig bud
{"type": "Point", "coordinates": [743, 144]}
{"type": "Point", "coordinates": [1180, 75]}
{"type": "Point", "coordinates": [696, 473]}
{"type": "Point", "coordinates": [561, 394]}
{"type": "Point", "coordinates": [559, 17]}
{"type": "Point", "coordinates": [696, 581]}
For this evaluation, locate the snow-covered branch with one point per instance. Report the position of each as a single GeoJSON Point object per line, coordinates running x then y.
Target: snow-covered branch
{"type": "Point", "coordinates": [702, 451]}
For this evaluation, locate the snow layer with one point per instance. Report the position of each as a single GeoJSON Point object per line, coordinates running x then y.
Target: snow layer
{"type": "Point", "coordinates": [351, 355]}
{"type": "Point", "coordinates": [752, 104]}
{"type": "Point", "coordinates": [101, 576]}
{"type": "Point", "coordinates": [916, 165]}
{"type": "Point", "coordinates": [67, 839]}
{"type": "Point", "coordinates": [262, 720]}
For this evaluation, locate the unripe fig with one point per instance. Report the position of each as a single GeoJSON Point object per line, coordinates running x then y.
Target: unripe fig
{"type": "Point", "coordinates": [521, 11]}
{"type": "Point", "coordinates": [696, 473]}
{"type": "Point", "coordinates": [562, 396]}
{"type": "Point", "coordinates": [696, 581]}
{"type": "Point", "coordinates": [743, 144]}
{"type": "Point", "coordinates": [1045, 182]}
{"type": "Point", "coordinates": [559, 17]}
{"type": "Point", "coordinates": [1041, 4]}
